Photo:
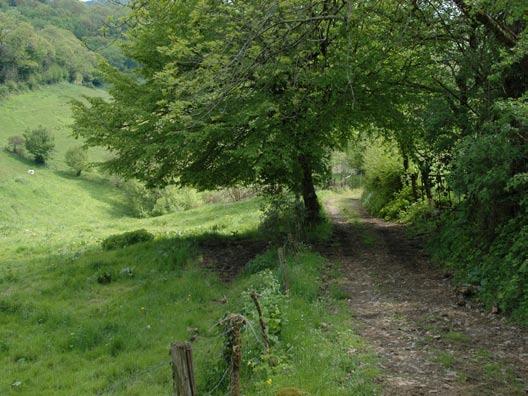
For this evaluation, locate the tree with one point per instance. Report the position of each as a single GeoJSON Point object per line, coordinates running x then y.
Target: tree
{"type": "Point", "coordinates": [77, 159]}
{"type": "Point", "coordinates": [40, 143]}
{"type": "Point", "coordinates": [224, 100]}
{"type": "Point", "coordinates": [16, 144]}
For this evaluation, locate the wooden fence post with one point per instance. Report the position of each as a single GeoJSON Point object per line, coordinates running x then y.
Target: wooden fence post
{"type": "Point", "coordinates": [182, 369]}
{"type": "Point", "coordinates": [233, 350]}
{"type": "Point", "coordinates": [283, 267]}
{"type": "Point", "coordinates": [262, 322]}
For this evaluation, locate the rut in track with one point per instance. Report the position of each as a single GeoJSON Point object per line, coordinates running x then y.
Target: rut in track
{"type": "Point", "coordinates": [410, 313]}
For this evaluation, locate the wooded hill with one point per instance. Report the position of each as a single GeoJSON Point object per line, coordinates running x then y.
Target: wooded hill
{"type": "Point", "coordinates": [44, 42]}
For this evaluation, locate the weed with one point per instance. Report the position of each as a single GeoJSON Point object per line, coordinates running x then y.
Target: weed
{"type": "Point", "coordinates": [445, 359]}
{"type": "Point", "coordinates": [337, 291]}
{"type": "Point", "coordinates": [457, 337]}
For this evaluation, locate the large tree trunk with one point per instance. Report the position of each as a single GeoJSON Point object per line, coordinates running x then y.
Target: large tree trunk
{"type": "Point", "coordinates": [311, 203]}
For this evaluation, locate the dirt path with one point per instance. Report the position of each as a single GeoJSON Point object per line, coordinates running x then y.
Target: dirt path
{"type": "Point", "coordinates": [409, 311]}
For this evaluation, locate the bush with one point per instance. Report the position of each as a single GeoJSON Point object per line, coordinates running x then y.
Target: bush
{"type": "Point", "coordinates": [271, 298]}
{"type": "Point", "coordinates": [15, 144]}
{"type": "Point", "coordinates": [173, 199]}
{"type": "Point", "coordinates": [233, 194]}
{"type": "Point", "coordinates": [127, 239]}
{"type": "Point", "coordinates": [383, 176]}
{"type": "Point", "coordinates": [77, 159]}
{"type": "Point", "coordinates": [146, 202]}
{"type": "Point", "coordinates": [395, 209]}
{"type": "Point", "coordinates": [40, 143]}
{"type": "Point", "coordinates": [283, 218]}
{"type": "Point", "coordinates": [140, 199]}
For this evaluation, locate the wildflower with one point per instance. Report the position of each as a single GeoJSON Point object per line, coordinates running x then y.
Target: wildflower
{"type": "Point", "coordinates": [269, 381]}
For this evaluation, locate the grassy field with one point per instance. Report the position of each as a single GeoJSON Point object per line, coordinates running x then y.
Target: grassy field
{"type": "Point", "coordinates": [51, 207]}
{"type": "Point", "coordinates": [66, 332]}
{"type": "Point", "coordinates": [76, 319]}
{"type": "Point", "coordinates": [49, 107]}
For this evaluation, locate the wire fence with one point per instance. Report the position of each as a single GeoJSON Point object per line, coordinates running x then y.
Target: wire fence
{"type": "Point", "coordinates": [120, 385]}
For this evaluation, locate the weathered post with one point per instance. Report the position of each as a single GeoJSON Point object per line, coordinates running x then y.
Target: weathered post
{"type": "Point", "coordinates": [283, 268]}
{"type": "Point", "coordinates": [182, 369]}
{"type": "Point", "coordinates": [233, 350]}
{"type": "Point", "coordinates": [262, 322]}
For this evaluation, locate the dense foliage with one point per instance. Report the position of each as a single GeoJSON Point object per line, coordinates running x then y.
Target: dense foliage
{"type": "Point", "coordinates": [241, 94]}
{"type": "Point", "coordinates": [40, 143]}
{"type": "Point", "coordinates": [44, 42]}
{"type": "Point", "coordinates": [77, 159]}
{"type": "Point", "coordinates": [464, 153]}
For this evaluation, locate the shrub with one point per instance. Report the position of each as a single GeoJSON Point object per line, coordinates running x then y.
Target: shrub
{"type": "Point", "coordinates": [140, 199]}
{"type": "Point", "coordinates": [4, 91]}
{"type": "Point", "coordinates": [77, 159]}
{"type": "Point", "coordinates": [233, 194]}
{"type": "Point", "coordinates": [383, 176]}
{"type": "Point", "coordinates": [283, 218]}
{"type": "Point", "coordinates": [15, 144]}
{"type": "Point", "coordinates": [40, 143]}
{"type": "Point", "coordinates": [127, 239]}
{"type": "Point", "coordinates": [146, 202]}
{"type": "Point", "coordinates": [395, 209]}
{"type": "Point", "coordinates": [271, 298]}
{"type": "Point", "coordinates": [174, 199]}
{"type": "Point", "coordinates": [104, 278]}
{"type": "Point", "coordinates": [237, 194]}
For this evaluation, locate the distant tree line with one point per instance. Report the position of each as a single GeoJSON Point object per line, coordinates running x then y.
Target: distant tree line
{"type": "Point", "coordinates": [49, 42]}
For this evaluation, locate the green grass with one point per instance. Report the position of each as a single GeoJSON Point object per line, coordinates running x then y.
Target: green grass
{"type": "Point", "coordinates": [66, 333]}
{"type": "Point", "coordinates": [77, 319]}
{"type": "Point", "coordinates": [457, 337]}
{"type": "Point", "coordinates": [446, 359]}
{"type": "Point", "coordinates": [49, 107]}
{"type": "Point", "coordinates": [51, 208]}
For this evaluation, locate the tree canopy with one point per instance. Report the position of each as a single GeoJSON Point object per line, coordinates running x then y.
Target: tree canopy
{"type": "Point", "coordinates": [246, 93]}
{"type": "Point", "coordinates": [262, 92]}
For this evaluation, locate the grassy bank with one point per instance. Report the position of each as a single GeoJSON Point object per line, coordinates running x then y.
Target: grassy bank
{"type": "Point", "coordinates": [100, 322]}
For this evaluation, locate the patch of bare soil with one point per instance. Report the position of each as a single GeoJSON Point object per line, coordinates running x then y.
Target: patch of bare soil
{"type": "Point", "coordinates": [227, 257]}
{"type": "Point", "coordinates": [429, 340]}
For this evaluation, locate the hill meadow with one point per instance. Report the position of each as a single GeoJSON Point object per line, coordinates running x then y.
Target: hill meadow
{"type": "Point", "coordinates": [284, 198]}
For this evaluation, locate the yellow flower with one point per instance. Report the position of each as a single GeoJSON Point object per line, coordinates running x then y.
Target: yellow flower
{"type": "Point", "coordinates": [269, 381]}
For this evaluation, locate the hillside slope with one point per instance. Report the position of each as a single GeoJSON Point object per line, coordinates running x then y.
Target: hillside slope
{"type": "Point", "coordinates": [52, 211]}
{"type": "Point", "coordinates": [40, 206]}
